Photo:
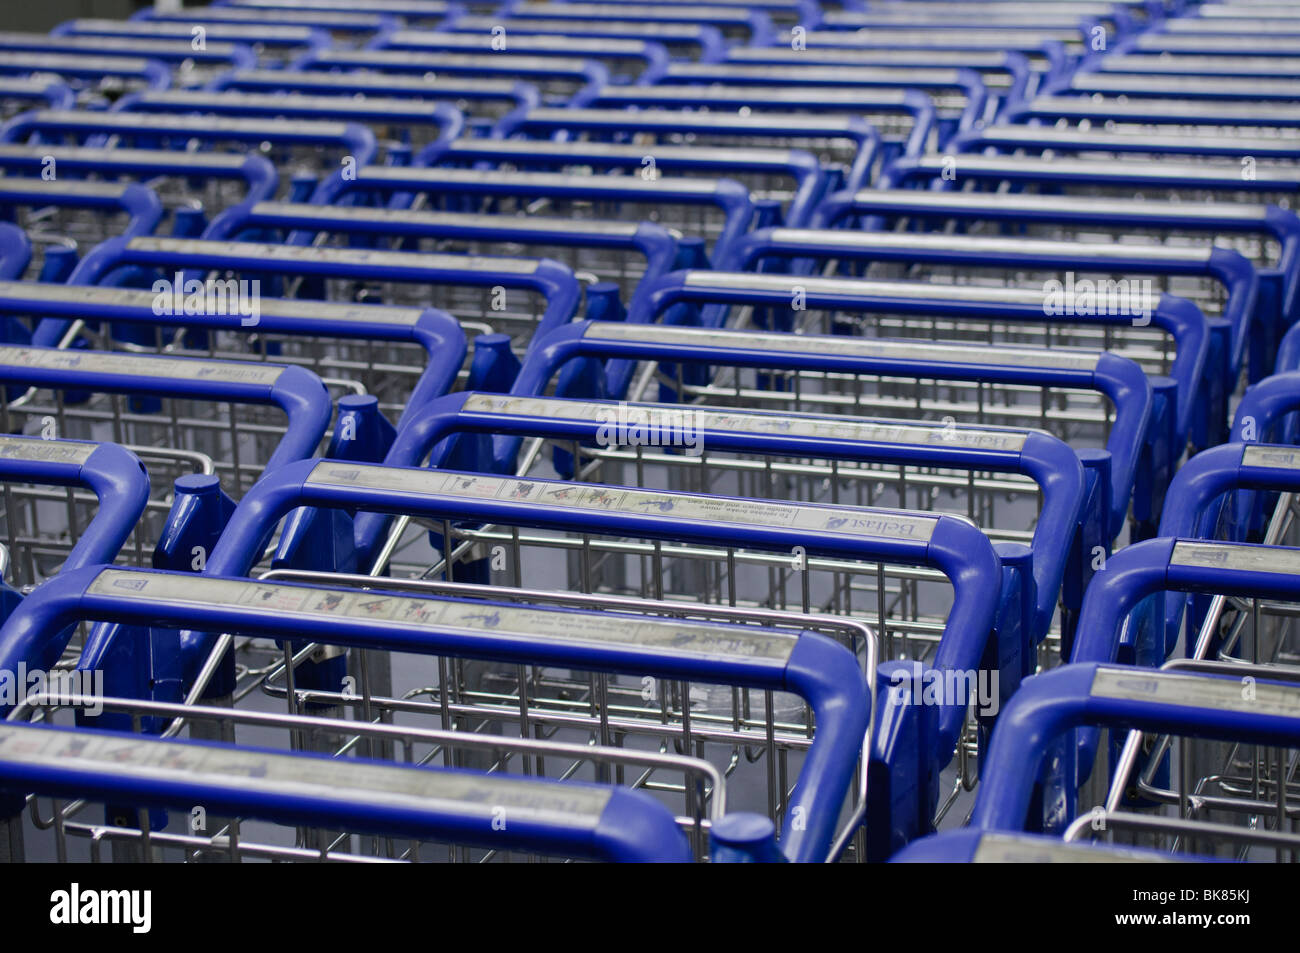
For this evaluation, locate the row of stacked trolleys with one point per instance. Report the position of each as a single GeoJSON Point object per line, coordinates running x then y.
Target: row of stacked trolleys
{"type": "Point", "coordinates": [734, 431]}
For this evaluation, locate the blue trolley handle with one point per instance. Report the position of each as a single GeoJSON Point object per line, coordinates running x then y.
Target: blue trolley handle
{"type": "Point", "coordinates": [967, 846]}
{"type": "Point", "coordinates": [576, 819]}
{"type": "Point", "coordinates": [954, 546]}
{"type": "Point", "coordinates": [141, 204]}
{"type": "Point", "coordinates": [554, 281]}
{"type": "Point", "coordinates": [1056, 701]}
{"type": "Point", "coordinates": [257, 171]}
{"type": "Point", "coordinates": [154, 72]}
{"type": "Point", "coordinates": [810, 665]}
{"type": "Point", "coordinates": [800, 165]}
{"type": "Point", "coordinates": [52, 93]}
{"type": "Point", "coordinates": [1265, 405]}
{"type": "Point", "coordinates": [1048, 461]}
{"type": "Point", "coordinates": [1178, 316]}
{"type": "Point", "coordinates": [1012, 138]}
{"type": "Point", "coordinates": [436, 331]}
{"type": "Point", "coordinates": [114, 474]}
{"type": "Point", "coordinates": [672, 122]}
{"type": "Point", "coordinates": [357, 139]}
{"type": "Point", "coordinates": [726, 194]}
{"type": "Point", "coordinates": [15, 251]}
{"type": "Point", "coordinates": [174, 51]}
{"type": "Point", "coordinates": [655, 242]}
{"type": "Point", "coordinates": [280, 35]}
{"type": "Point", "coordinates": [1120, 379]}
{"type": "Point", "coordinates": [295, 390]}
{"type": "Point", "coordinates": [709, 39]}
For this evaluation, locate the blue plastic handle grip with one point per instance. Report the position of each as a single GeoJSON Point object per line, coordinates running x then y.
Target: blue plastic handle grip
{"type": "Point", "coordinates": [1067, 697]}
{"type": "Point", "coordinates": [543, 154]}
{"type": "Point", "coordinates": [500, 63]}
{"type": "Point", "coordinates": [1048, 461]}
{"type": "Point", "coordinates": [332, 20]}
{"type": "Point", "coordinates": [295, 390]}
{"type": "Point", "coordinates": [436, 331]}
{"type": "Point", "coordinates": [956, 547]}
{"type": "Point", "coordinates": [114, 474]}
{"type": "Point", "coordinates": [141, 204]}
{"type": "Point", "coordinates": [655, 242]}
{"type": "Point", "coordinates": [630, 826]}
{"type": "Point", "coordinates": [550, 279]}
{"type": "Point", "coordinates": [967, 846]}
{"type": "Point", "coordinates": [15, 251]}
{"type": "Point", "coordinates": [178, 51]}
{"type": "Point", "coordinates": [257, 172]}
{"type": "Point", "coordinates": [815, 667]}
{"type": "Point", "coordinates": [1265, 405]}
{"type": "Point", "coordinates": [153, 73]}
{"type": "Point", "coordinates": [50, 93]}
{"type": "Point", "coordinates": [413, 11]}
{"type": "Point", "coordinates": [289, 36]}
{"type": "Point", "coordinates": [706, 40]}
{"type": "Point", "coordinates": [356, 139]}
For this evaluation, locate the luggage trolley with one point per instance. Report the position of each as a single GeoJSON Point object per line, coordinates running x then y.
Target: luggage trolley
{"type": "Point", "coordinates": [400, 126]}
{"type": "Point", "coordinates": [399, 357]}
{"type": "Point", "coordinates": [48, 530]}
{"type": "Point", "coordinates": [190, 66]}
{"type": "Point", "coordinates": [189, 184]}
{"type": "Point", "coordinates": [704, 218]}
{"type": "Point", "coordinates": [483, 101]}
{"type": "Point", "coordinates": [625, 61]}
{"type": "Point", "coordinates": [597, 522]}
{"type": "Point", "coordinates": [620, 254]}
{"type": "Point", "coordinates": [273, 44]}
{"type": "Point", "coordinates": [510, 296]}
{"type": "Point", "coordinates": [557, 78]}
{"type": "Point", "coordinates": [847, 146]}
{"type": "Point", "coordinates": [959, 95]}
{"type": "Point", "coordinates": [1219, 281]}
{"type": "Point", "coordinates": [1267, 235]}
{"type": "Point", "coordinates": [816, 668]}
{"type": "Point", "coordinates": [691, 41]}
{"type": "Point", "coordinates": [813, 374]}
{"type": "Point", "coordinates": [18, 94]}
{"type": "Point", "coordinates": [301, 147]}
{"type": "Point", "coordinates": [906, 118]}
{"type": "Point", "coordinates": [63, 217]}
{"type": "Point", "coordinates": [784, 184]}
{"type": "Point", "coordinates": [94, 78]}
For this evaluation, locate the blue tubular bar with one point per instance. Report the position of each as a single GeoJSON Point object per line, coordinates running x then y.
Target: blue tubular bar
{"type": "Point", "coordinates": [43, 91]}
{"type": "Point", "coordinates": [1012, 138]}
{"type": "Point", "coordinates": [705, 39]}
{"type": "Point", "coordinates": [968, 846]}
{"type": "Point", "coordinates": [570, 819]}
{"type": "Point", "coordinates": [251, 35]}
{"type": "Point", "coordinates": [550, 279]}
{"type": "Point", "coordinates": [812, 666]}
{"type": "Point", "coordinates": [255, 171]}
{"type": "Point", "coordinates": [170, 51]}
{"type": "Point", "coordinates": [516, 66]}
{"type": "Point", "coordinates": [383, 91]}
{"type": "Point", "coordinates": [929, 80]}
{"type": "Point", "coordinates": [447, 120]}
{"type": "Point", "coordinates": [309, 220]}
{"type": "Point", "coordinates": [409, 11]}
{"type": "Point", "coordinates": [849, 102]}
{"type": "Point", "coordinates": [1121, 380]}
{"type": "Point", "coordinates": [155, 74]}
{"type": "Point", "coordinates": [114, 474]}
{"type": "Point", "coordinates": [729, 196]}
{"type": "Point", "coordinates": [295, 390]}
{"type": "Point", "coordinates": [652, 55]}
{"type": "Point", "coordinates": [333, 21]}
{"type": "Point", "coordinates": [15, 251]}
{"type": "Point", "coordinates": [665, 17]}
{"type": "Point", "coordinates": [356, 139]}
{"type": "Point", "coordinates": [1278, 301]}
{"type": "Point", "coordinates": [668, 122]}
{"type": "Point", "coordinates": [138, 202]}
{"type": "Point", "coordinates": [545, 154]}
{"type": "Point", "coordinates": [1200, 705]}
{"type": "Point", "coordinates": [436, 331]}
{"type": "Point", "coordinates": [1048, 461]}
